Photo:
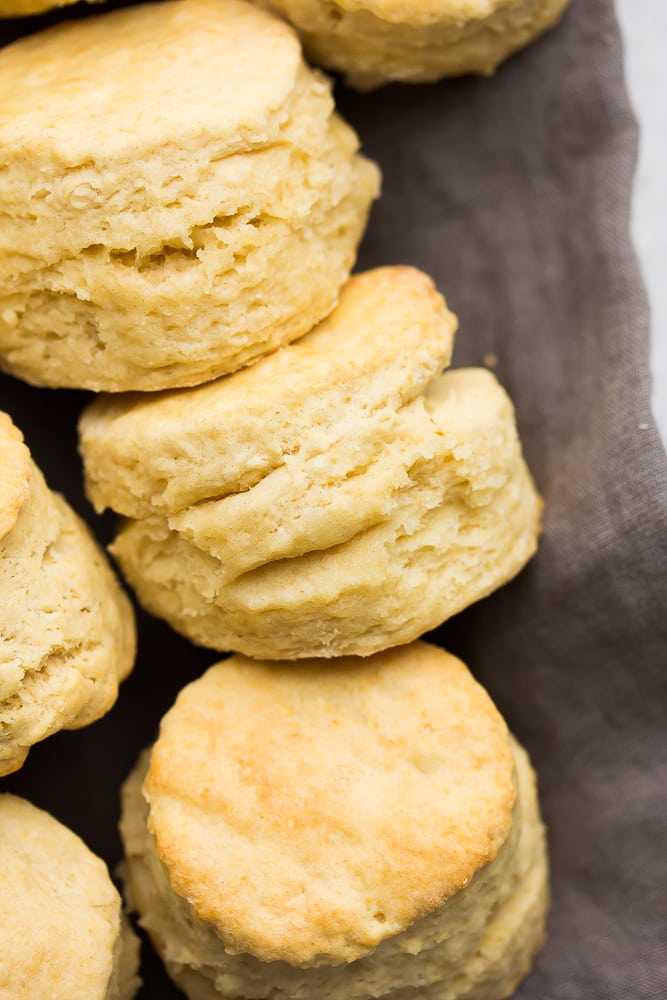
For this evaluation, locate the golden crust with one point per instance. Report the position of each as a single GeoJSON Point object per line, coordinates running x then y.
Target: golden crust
{"type": "Point", "coordinates": [14, 474]}
{"type": "Point", "coordinates": [61, 930]}
{"type": "Point", "coordinates": [478, 946]}
{"type": "Point", "coordinates": [351, 798]}
{"type": "Point", "coordinates": [25, 8]}
{"type": "Point", "coordinates": [390, 335]}
{"type": "Point", "coordinates": [376, 41]}
{"type": "Point", "coordinates": [181, 222]}
{"type": "Point", "coordinates": [51, 81]}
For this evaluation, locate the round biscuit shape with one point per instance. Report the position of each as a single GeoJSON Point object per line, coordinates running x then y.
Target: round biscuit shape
{"type": "Point", "coordinates": [373, 42]}
{"type": "Point", "coordinates": [337, 498]}
{"type": "Point", "coordinates": [178, 196]}
{"type": "Point", "coordinates": [67, 628]}
{"type": "Point", "coordinates": [62, 931]}
{"type": "Point", "coordinates": [345, 829]}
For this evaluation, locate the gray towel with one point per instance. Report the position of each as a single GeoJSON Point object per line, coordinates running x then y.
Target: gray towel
{"type": "Point", "coordinates": [514, 194]}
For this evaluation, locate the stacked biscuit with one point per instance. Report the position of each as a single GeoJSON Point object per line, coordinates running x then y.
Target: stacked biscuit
{"type": "Point", "coordinates": [300, 482]}
{"type": "Point", "coordinates": [338, 497]}
{"type": "Point", "coordinates": [351, 829]}
{"type": "Point", "coordinates": [67, 639]}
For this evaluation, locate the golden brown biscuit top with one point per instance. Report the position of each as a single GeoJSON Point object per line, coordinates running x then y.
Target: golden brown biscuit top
{"type": "Point", "coordinates": [14, 474]}
{"type": "Point", "coordinates": [146, 76]}
{"type": "Point", "coordinates": [309, 811]}
{"type": "Point", "coordinates": [389, 337]}
{"type": "Point", "coordinates": [59, 911]}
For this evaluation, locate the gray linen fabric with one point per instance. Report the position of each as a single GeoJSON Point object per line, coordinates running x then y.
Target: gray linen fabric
{"type": "Point", "coordinates": [514, 194]}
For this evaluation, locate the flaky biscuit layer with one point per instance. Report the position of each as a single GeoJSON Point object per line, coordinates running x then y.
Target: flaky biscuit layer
{"type": "Point", "coordinates": [337, 498]}
{"type": "Point", "coordinates": [67, 629]}
{"type": "Point", "coordinates": [163, 224]}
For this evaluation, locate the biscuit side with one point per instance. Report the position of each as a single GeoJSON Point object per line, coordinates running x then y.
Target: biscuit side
{"type": "Point", "coordinates": [68, 629]}
{"type": "Point", "coordinates": [374, 42]}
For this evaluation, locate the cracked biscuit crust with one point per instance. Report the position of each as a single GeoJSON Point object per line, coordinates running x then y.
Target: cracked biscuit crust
{"type": "Point", "coordinates": [67, 629]}
{"type": "Point", "coordinates": [203, 218]}
{"type": "Point", "coordinates": [337, 498]}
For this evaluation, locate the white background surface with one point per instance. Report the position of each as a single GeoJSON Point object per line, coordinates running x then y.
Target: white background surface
{"type": "Point", "coordinates": [644, 26]}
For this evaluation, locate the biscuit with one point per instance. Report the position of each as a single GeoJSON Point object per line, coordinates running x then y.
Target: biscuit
{"type": "Point", "coordinates": [339, 497]}
{"type": "Point", "coordinates": [378, 41]}
{"type": "Point", "coordinates": [62, 931]}
{"type": "Point", "coordinates": [352, 829]}
{"type": "Point", "coordinates": [66, 627]}
{"type": "Point", "coordinates": [178, 197]}
{"type": "Point", "coordinates": [25, 8]}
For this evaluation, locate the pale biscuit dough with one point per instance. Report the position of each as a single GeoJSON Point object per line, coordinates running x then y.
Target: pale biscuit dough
{"type": "Point", "coordinates": [339, 497]}
{"type": "Point", "coordinates": [62, 931]}
{"type": "Point", "coordinates": [378, 41]}
{"type": "Point", "coordinates": [352, 829]}
{"type": "Point", "coordinates": [177, 198]}
{"type": "Point", "coordinates": [67, 634]}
